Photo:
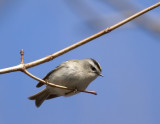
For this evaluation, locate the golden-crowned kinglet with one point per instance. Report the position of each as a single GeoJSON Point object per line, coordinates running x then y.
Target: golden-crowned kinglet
{"type": "Point", "coordinates": [74, 74]}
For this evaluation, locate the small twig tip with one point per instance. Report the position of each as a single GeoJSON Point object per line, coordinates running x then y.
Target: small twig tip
{"type": "Point", "coordinates": [22, 52]}
{"type": "Point", "coordinates": [22, 55]}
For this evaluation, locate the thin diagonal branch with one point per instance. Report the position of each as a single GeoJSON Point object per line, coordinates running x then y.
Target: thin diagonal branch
{"type": "Point", "coordinates": [67, 49]}
{"type": "Point", "coordinates": [46, 82]}
{"type": "Point", "coordinates": [55, 85]}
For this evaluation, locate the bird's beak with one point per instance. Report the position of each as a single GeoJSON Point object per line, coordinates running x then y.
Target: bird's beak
{"type": "Point", "coordinates": [101, 75]}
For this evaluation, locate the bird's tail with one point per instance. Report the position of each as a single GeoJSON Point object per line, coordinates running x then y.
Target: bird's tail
{"type": "Point", "coordinates": [40, 97]}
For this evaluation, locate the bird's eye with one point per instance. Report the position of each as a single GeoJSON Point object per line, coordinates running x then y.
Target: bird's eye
{"type": "Point", "coordinates": [93, 68]}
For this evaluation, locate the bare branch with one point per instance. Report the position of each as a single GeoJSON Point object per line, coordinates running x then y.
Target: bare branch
{"type": "Point", "coordinates": [46, 82]}
{"type": "Point", "coordinates": [22, 56]}
{"type": "Point", "coordinates": [55, 85]}
{"type": "Point", "coordinates": [67, 49]}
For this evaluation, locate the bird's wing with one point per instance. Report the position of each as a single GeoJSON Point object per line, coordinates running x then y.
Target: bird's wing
{"type": "Point", "coordinates": [45, 78]}
{"type": "Point", "coordinates": [54, 70]}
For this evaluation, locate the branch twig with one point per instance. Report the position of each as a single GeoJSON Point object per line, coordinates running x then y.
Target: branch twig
{"type": "Point", "coordinates": [22, 56]}
{"type": "Point", "coordinates": [67, 49]}
{"type": "Point", "coordinates": [46, 82]}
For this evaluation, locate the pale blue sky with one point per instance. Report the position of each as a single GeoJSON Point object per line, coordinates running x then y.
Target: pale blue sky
{"type": "Point", "coordinates": [130, 59]}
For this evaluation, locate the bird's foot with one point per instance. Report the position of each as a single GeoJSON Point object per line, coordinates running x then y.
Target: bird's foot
{"type": "Point", "coordinates": [72, 91]}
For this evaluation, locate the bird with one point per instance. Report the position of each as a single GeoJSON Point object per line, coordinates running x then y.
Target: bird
{"type": "Point", "coordinates": [74, 74]}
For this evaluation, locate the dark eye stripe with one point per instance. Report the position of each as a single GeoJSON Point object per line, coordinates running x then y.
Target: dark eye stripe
{"type": "Point", "coordinates": [97, 64]}
{"type": "Point", "coordinates": [93, 68]}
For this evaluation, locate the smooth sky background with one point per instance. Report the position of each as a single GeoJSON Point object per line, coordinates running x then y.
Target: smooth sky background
{"type": "Point", "coordinates": [129, 92]}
